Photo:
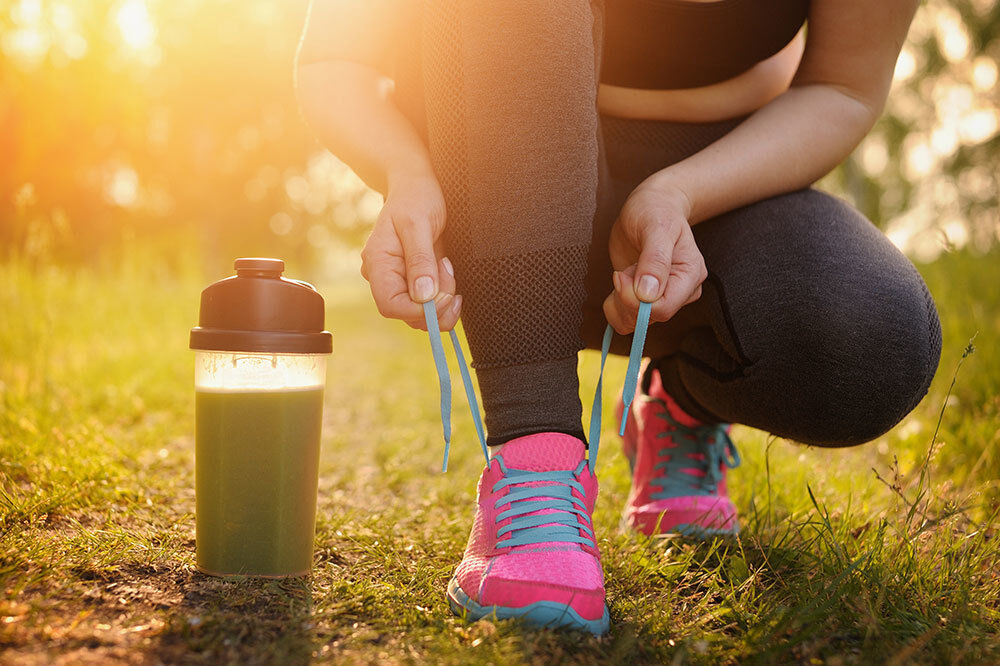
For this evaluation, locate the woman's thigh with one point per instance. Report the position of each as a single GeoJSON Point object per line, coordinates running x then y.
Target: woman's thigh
{"type": "Point", "coordinates": [812, 324]}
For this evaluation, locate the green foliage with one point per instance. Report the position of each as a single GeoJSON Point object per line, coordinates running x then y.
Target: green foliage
{"type": "Point", "coordinates": [837, 563]}
{"type": "Point", "coordinates": [189, 131]}
{"type": "Point", "coordinates": [131, 119]}
{"type": "Point", "coordinates": [927, 171]}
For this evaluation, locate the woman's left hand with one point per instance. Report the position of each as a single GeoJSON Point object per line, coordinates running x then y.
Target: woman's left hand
{"type": "Point", "coordinates": [654, 255]}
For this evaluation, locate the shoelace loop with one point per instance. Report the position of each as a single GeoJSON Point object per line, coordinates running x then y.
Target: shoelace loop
{"type": "Point", "coordinates": [565, 518]}
{"type": "Point", "coordinates": [444, 381]}
{"type": "Point", "coordinates": [710, 443]}
{"type": "Point", "coordinates": [594, 433]}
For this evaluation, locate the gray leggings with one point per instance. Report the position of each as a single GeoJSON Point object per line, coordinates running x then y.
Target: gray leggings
{"type": "Point", "coordinates": [811, 326]}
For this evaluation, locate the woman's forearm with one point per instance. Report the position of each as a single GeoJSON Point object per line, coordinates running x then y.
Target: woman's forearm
{"type": "Point", "coordinates": [787, 145]}
{"type": "Point", "coordinates": [837, 95]}
{"type": "Point", "coordinates": [349, 107]}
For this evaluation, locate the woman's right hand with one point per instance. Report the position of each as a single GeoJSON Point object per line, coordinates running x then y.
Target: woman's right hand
{"type": "Point", "coordinates": [401, 257]}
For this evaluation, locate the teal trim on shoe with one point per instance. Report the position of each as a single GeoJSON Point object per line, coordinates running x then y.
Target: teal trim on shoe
{"type": "Point", "coordinates": [544, 614]}
{"type": "Point", "coordinates": [699, 532]}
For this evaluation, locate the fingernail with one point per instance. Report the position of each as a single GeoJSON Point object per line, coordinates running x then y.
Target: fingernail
{"type": "Point", "coordinates": [423, 288]}
{"type": "Point", "coordinates": [443, 298]}
{"type": "Point", "coordinates": [457, 305]}
{"type": "Point", "coordinates": [448, 267]}
{"type": "Point", "coordinates": [648, 288]}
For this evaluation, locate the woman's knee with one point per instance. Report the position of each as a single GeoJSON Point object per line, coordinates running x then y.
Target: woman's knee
{"type": "Point", "coordinates": [838, 323]}
{"type": "Point", "coordinates": [855, 370]}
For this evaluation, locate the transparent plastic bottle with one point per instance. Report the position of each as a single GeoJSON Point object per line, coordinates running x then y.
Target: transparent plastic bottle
{"type": "Point", "coordinates": [260, 369]}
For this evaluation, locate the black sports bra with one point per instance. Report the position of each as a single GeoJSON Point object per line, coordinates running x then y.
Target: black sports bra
{"type": "Point", "coordinates": [665, 44]}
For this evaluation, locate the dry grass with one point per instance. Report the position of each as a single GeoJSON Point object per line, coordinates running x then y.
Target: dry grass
{"type": "Point", "coordinates": [97, 525]}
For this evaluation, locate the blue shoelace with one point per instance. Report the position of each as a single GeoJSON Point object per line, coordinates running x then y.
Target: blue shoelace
{"type": "Point", "coordinates": [594, 434]}
{"type": "Point", "coordinates": [566, 515]}
{"type": "Point", "coordinates": [444, 380]}
{"type": "Point", "coordinates": [710, 441]}
{"type": "Point", "coordinates": [550, 491]}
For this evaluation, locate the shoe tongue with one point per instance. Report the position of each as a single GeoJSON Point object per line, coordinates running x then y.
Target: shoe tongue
{"type": "Point", "coordinates": [656, 390]}
{"type": "Point", "coordinates": [544, 452]}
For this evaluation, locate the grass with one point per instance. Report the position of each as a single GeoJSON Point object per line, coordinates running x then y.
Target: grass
{"type": "Point", "coordinates": [884, 553]}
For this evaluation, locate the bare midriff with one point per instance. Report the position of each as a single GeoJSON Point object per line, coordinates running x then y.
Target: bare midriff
{"type": "Point", "coordinates": [732, 98]}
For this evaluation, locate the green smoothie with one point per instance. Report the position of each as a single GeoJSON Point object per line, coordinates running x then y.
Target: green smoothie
{"type": "Point", "coordinates": [256, 475]}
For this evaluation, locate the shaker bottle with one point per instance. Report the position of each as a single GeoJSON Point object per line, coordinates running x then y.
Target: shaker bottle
{"type": "Point", "coordinates": [260, 368]}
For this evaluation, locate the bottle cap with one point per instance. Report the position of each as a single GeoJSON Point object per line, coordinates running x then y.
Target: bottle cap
{"type": "Point", "coordinates": [257, 310]}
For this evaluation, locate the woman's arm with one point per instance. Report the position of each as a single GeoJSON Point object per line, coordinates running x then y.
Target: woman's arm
{"type": "Point", "coordinates": [836, 96]}
{"type": "Point", "coordinates": [344, 94]}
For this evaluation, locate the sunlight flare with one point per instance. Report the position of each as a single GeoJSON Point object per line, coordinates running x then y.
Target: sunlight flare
{"type": "Point", "coordinates": [135, 24]}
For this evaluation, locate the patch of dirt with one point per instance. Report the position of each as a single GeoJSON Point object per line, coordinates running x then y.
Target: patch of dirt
{"type": "Point", "coordinates": [137, 586]}
{"type": "Point", "coordinates": [91, 609]}
{"type": "Point", "coordinates": [155, 613]}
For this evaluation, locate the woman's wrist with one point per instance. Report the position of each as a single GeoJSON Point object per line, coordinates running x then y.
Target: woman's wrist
{"type": "Point", "coordinates": [407, 172]}
{"type": "Point", "coordinates": [669, 185]}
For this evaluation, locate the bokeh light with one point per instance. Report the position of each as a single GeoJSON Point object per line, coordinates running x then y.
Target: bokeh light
{"type": "Point", "coordinates": [135, 24]}
{"type": "Point", "coordinates": [175, 121]}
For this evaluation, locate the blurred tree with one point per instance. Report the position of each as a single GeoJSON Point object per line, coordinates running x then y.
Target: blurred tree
{"type": "Point", "coordinates": [928, 171]}
{"type": "Point", "coordinates": [162, 119]}
{"type": "Point", "coordinates": [176, 121]}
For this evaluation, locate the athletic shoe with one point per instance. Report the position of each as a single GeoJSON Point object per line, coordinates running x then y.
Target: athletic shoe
{"type": "Point", "coordinates": [532, 552]}
{"type": "Point", "coordinates": [678, 468]}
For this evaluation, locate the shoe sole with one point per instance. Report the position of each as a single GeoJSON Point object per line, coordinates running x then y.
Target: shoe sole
{"type": "Point", "coordinates": [544, 614]}
{"type": "Point", "coordinates": [719, 520]}
{"type": "Point", "coordinates": [686, 530]}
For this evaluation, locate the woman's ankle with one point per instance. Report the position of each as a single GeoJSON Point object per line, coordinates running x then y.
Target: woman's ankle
{"type": "Point", "coordinates": [531, 398]}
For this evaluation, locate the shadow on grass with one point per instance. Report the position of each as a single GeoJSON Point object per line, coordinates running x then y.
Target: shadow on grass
{"type": "Point", "coordinates": [240, 620]}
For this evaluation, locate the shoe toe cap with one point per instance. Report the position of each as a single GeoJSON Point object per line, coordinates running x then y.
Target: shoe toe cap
{"type": "Point", "coordinates": [587, 602]}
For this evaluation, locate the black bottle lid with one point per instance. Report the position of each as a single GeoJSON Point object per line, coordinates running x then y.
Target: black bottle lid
{"type": "Point", "coordinates": [257, 310]}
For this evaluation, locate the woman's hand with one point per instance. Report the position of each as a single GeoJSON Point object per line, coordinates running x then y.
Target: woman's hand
{"type": "Point", "coordinates": [654, 255]}
{"type": "Point", "coordinates": [400, 259]}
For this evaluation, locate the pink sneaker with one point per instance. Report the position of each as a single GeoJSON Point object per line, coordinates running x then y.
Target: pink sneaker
{"type": "Point", "coordinates": [532, 552]}
{"type": "Point", "coordinates": [678, 469]}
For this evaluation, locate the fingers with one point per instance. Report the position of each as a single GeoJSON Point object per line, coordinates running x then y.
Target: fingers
{"type": "Point", "coordinates": [654, 249]}
{"type": "Point", "coordinates": [447, 304]}
{"type": "Point", "coordinates": [621, 306]}
{"type": "Point", "coordinates": [449, 313]}
{"type": "Point", "coordinates": [392, 298]}
{"type": "Point", "coordinates": [383, 266]}
{"type": "Point", "coordinates": [385, 269]}
{"type": "Point", "coordinates": [687, 274]}
{"type": "Point", "coordinates": [683, 286]}
{"type": "Point", "coordinates": [446, 272]}
{"type": "Point", "coordinates": [448, 308]}
{"type": "Point", "coordinates": [654, 264]}
{"type": "Point", "coordinates": [417, 243]}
